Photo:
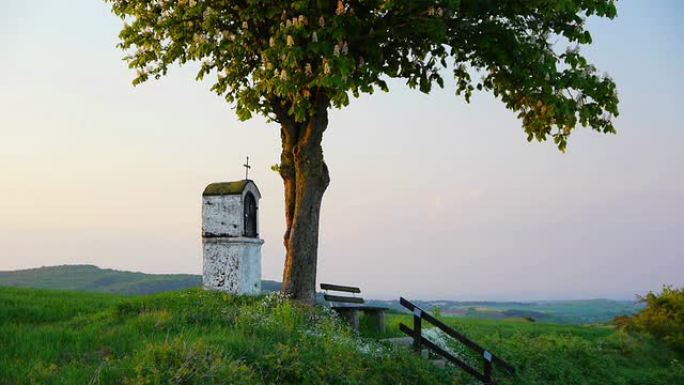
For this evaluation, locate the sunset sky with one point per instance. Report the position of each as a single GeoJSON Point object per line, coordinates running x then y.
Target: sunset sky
{"type": "Point", "coordinates": [430, 197]}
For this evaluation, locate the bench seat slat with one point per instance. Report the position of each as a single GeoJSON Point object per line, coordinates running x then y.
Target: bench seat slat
{"type": "Point", "coordinates": [342, 299]}
{"type": "Point", "coordinates": [361, 308]}
{"type": "Point", "coordinates": [348, 289]}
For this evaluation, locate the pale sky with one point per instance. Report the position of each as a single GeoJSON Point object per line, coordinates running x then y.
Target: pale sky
{"type": "Point", "coordinates": [430, 197]}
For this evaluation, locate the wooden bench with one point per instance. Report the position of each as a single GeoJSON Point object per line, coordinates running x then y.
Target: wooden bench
{"type": "Point", "coordinates": [350, 313]}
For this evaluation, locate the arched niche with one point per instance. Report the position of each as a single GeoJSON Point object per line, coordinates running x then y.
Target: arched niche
{"type": "Point", "coordinates": [250, 215]}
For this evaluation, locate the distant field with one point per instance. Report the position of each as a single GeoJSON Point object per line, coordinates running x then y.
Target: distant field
{"type": "Point", "coordinates": [565, 312]}
{"type": "Point", "coordinates": [196, 337]}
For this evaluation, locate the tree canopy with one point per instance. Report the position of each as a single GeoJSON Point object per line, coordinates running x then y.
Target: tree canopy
{"type": "Point", "coordinates": [275, 57]}
{"type": "Point", "coordinates": [292, 60]}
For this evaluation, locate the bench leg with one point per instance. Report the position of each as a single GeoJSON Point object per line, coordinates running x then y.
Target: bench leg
{"type": "Point", "coordinates": [377, 319]}
{"type": "Point", "coordinates": [351, 316]}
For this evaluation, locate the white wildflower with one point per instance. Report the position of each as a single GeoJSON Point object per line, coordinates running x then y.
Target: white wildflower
{"type": "Point", "coordinates": [314, 37]}
{"type": "Point", "coordinates": [290, 41]}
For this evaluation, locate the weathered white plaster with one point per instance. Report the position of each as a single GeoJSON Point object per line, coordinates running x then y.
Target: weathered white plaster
{"type": "Point", "coordinates": [231, 262]}
{"type": "Point", "coordinates": [232, 265]}
{"type": "Point", "coordinates": [222, 215]}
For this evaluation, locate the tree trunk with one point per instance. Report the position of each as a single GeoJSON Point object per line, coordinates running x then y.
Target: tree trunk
{"type": "Point", "coordinates": [305, 177]}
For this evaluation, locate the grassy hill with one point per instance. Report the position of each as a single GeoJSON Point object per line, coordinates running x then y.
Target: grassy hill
{"type": "Point", "coordinates": [196, 337]}
{"type": "Point", "coordinates": [188, 337]}
{"type": "Point", "coordinates": [92, 278]}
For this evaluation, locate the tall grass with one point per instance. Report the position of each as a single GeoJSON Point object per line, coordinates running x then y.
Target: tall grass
{"type": "Point", "coordinates": [189, 337]}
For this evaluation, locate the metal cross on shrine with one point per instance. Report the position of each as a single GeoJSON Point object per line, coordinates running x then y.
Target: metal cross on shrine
{"type": "Point", "coordinates": [247, 167]}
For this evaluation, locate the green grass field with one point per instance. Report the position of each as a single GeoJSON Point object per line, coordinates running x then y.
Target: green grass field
{"type": "Point", "coordinates": [196, 337]}
{"type": "Point", "coordinates": [545, 353]}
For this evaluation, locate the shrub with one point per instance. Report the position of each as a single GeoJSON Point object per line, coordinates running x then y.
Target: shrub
{"type": "Point", "coordinates": [663, 317]}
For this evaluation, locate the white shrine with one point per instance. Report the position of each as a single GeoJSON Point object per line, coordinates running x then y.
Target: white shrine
{"type": "Point", "coordinates": [230, 237]}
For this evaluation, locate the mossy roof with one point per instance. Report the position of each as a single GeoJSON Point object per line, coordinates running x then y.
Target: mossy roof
{"type": "Point", "coordinates": [226, 188]}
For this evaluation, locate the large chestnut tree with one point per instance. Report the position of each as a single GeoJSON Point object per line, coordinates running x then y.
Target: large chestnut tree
{"type": "Point", "coordinates": [292, 61]}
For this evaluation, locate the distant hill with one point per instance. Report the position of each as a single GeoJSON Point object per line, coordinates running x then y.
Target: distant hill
{"type": "Point", "coordinates": [94, 279]}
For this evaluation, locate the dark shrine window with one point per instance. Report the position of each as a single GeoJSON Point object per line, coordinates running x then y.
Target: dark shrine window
{"type": "Point", "coordinates": [250, 215]}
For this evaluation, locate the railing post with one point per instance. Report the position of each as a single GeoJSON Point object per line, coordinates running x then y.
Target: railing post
{"type": "Point", "coordinates": [417, 330]}
{"type": "Point", "coordinates": [488, 367]}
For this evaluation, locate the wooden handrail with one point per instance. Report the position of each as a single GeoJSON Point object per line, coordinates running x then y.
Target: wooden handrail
{"type": "Point", "coordinates": [455, 360]}
{"type": "Point", "coordinates": [460, 337]}
{"type": "Point", "coordinates": [418, 342]}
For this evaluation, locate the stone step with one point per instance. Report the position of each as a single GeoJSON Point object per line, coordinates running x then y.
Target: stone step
{"type": "Point", "coordinates": [440, 363]}
{"type": "Point", "coordinates": [425, 353]}
{"type": "Point", "coordinates": [399, 341]}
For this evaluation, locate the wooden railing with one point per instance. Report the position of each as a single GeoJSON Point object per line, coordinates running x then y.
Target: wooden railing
{"type": "Point", "coordinates": [489, 359]}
